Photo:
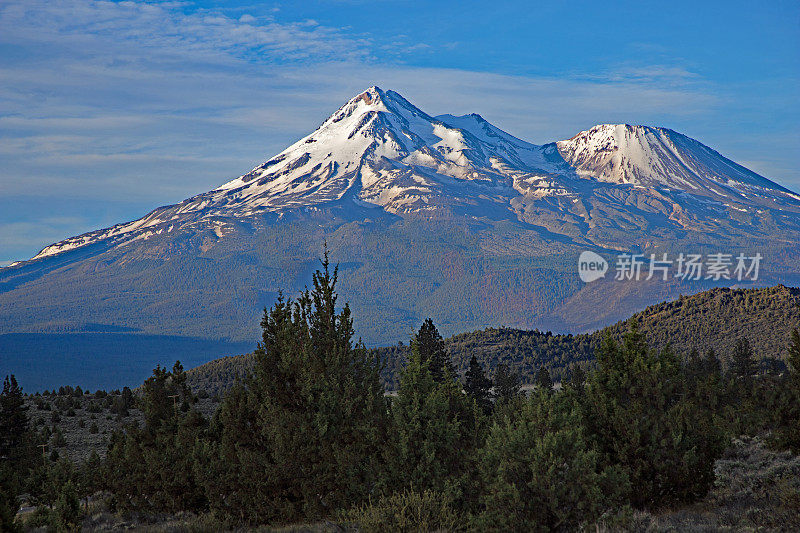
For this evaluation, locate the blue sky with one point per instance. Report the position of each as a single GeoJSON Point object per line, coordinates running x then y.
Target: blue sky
{"type": "Point", "coordinates": [109, 109]}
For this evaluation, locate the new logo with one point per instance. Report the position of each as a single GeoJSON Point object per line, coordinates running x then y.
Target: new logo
{"type": "Point", "coordinates": [591, 266]}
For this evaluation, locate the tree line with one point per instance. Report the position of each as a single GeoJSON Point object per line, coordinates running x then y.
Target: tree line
{"type": "Point", "coordinates": [309, 434]}
{"type": "Point", "coordinates": [711, 319]}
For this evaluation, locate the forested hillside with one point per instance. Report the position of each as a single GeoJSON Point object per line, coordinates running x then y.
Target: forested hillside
{"type": "Point", "coordinates": [712, 319]}
{"type": "Point", "coordinates": [716, 318]}
{"type": "Point", "coordinates": [646, 439]}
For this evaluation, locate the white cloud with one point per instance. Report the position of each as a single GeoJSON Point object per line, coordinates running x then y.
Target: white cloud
{"type": "Point", "coordinates": [132, 28]}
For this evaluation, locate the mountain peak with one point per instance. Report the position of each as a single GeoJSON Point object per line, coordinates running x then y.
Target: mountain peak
{"type": "Point", "coordinates": [373, 96]}
{"type": "Point", "coordinates": [379, 149]}
{"type": "Point", "coordinates": [656, 157]}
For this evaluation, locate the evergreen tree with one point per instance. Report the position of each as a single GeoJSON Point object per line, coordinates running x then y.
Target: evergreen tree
{"type": "Point", "coordinates": [163, 394]}
{"type": "Point", "coordinates": [543, 381]}
{"type": "Point", "coordinates": [577, 379]}
{"type": "Point", "coordinates": [123, 402]}
{"type": "Point", "coordinates": [541, 472]}
{"type": "Point", "coordinates": [17, 441]}
{"type": "Point", "coordinates": [68, 508]}
{"type": "Point", "coordinates": [793, 360]}
{"type": "Point", "coordinates": [425, 432]}
{"type": "Point", "coordinates": [301, 440]}
{"type": "Point", "coordinates": [9, 501]}
{"type": "Point", "coordinates": [153, 467]}
{"type": "Point", "coordinates": [13, 423]}
{"type": "Point", "coordinates": [711, 364]}
{"type": "Point", "coordinates": [787, 410]}
{"type": "Point", "coordinates": [638, 411]}
{"type": "Point", "coordinates": [506, 384]}
{"type": "Point", "coordinates": [89, 479]}
{"type": "Point", "coordinates": [743, 367]}
{"type": "Point", "coordinates": [694, 366]}
{"type": "Point", "coordinates": [47, 481]}
{"type": "Point", "coordinates": [429, 345]}
{"type": "Point", "coordinates": [477, 386]}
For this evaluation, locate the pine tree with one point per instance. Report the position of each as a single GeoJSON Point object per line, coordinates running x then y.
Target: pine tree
{"type": "Point", "coordinates": [123, 402]}
{"type": "Point", "coordinates": [711, 364]}
{"type": "Point", "coordinates": [577, 379]}
{"type": "Point", "coordinates": [89, 479]}
{"type": "Point", "coordinates": [17, 441]}
{"type": "Point", "coordinates": [154, 467]}
{"type": "Point", "coordinates": [9, 501]}
{"type": "Point", "coordinates": [743, 367]}
{"type": "Point", "coordinates": [694, 366]}
{"type": "Point", "coordinates": [477, 386]}
{"type": "Point", "coordinates": [542, 473]}
{"type": "Point", "coordinates": [68, 508]}
{"type": "Point", "coordinates": [793, 359]}
{"type": "Point", "coordinates": [162, 394]}
{"type": "Point", "coordinates": [13, 422]}
{"type": "Point", "coordinates": [302, 439]}
{"type": "Point", "coordinates": [430, 346]}
{"type": "Point", "coordinates": [787, 411]}
{"type": "Point", "coordinates": [434, 433]}
{"type": "Point", "coordinates": [638, 411]}
{"type": "Point", "coordinates": [543, 381]}
{"type": "Point", "coordinates": [506, 384]}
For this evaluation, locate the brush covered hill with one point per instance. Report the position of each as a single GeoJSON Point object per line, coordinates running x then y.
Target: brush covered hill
{"type": "Point", "coordinates": [713, 319]}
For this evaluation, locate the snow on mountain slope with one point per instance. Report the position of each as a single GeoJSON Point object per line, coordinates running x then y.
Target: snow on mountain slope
{"type": "Point", "coordinates": [659, 157]}
{"type": "Point", "coordinates": [393, 154]}
{"type": "Point", "coordinates": [378, 145]}
{"type": "Point", "coordinates": [380, 149]}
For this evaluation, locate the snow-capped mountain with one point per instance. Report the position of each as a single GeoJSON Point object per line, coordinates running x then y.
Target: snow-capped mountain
{"type": "Point", "coordinates": [659, 157]}
{"type": "Point", "coordinates": [442, 216]}
{"type": "Point", "coordinates": [388, 153]}
{"type": "Point", "coordinates": [379, 149]}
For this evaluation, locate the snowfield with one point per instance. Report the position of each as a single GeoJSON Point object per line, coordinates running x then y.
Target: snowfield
{"type": "Point", "coordinates": [380, 149]}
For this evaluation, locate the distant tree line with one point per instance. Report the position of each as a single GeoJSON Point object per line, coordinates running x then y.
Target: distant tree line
{"type": "Point", "coordinates": [712, 319]}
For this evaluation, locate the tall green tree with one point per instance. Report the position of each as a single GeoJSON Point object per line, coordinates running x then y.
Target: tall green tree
{"type": "Point", "coordinates": [577, 379]}
{"type": "Point", "coordinates": [433, 428]}
{"type": "Point", "coordinates": [478, 386]}
{"type": "Point", "coordinates": [429, 345]}
{"type": "Point", "coordinates": [793, 360]}
{"type": "Point", "coordinates": [638, 412]}
{"type": "Point", "coordinates": [301, 439]}
{"type": "Point", "coordinates": [9, 500]}
{"type": "Point", "coordinates": [14, 430]}
{"type": "Point", "coordinates": [543, 381]}
{"type": "Point", "coordinates": [743, 366]}
{"type": "Point", "coordinates": [164, 395]}
{"type": "Point", "coordinates": [787, 411]}
{"type": "Point", "coordinates": [17, 448]}
{"type": "Point", "coordinates": [68, 508]}
{"type": "Point", "coordinates": [694, 365]}
{"type": "Point", "coordinates": [506, 384]}
{"type": "Point", "coordinates": [711, 364]}
{"type": "Point", "coordinates": [152, 468]}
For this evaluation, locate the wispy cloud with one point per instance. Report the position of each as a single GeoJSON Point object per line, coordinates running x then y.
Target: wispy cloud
{"type": "Point", "coordinates": [660, 74]}
{"type": "Point", "coordinates": [168, 30]}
